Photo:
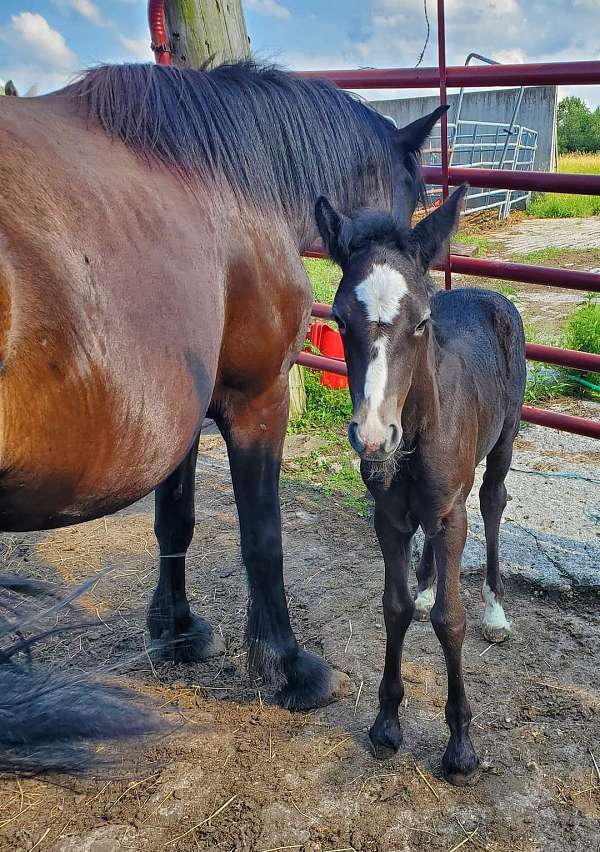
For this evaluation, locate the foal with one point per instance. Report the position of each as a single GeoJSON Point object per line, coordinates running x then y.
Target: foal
{"type": "Point", "coordinates": [437, 382]}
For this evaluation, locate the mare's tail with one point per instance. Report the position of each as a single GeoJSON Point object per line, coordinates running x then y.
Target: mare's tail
{"type": "Point", "coordinates": [49, 720]}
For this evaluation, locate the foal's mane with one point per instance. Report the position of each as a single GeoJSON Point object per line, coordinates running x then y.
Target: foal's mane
{"type": "Point", "coordinates": [277, 140]}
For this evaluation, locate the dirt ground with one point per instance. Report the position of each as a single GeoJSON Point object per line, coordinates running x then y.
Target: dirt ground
{"type": "Point", "coordinates": [238, 773]}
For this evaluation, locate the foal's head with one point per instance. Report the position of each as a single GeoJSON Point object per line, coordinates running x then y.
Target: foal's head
{"type": "Point", "coordinates": [382, 310]}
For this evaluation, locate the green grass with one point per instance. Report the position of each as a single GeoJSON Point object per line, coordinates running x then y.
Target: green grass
{"type": "Point", "coordinates": [559, 256]}
{"type": "Point", "coordinates": [583, 331]}
{"type": "Point", "coordinates": [326, 408]}
{"type": "Point", "coordinates": [555, 205]}
{"type": "Point", "coordinates": [580, 163]}
{"type": "Point", "coordinates": [560, 206]}
{"type": "Point", "coordinates": [544, 383]}
{"type": "Point", "coordinates": [507, 290]}
{"type": "Point", "coordinates": [583, 334]}
{"type": "Point", "coordinates": [324, 277]}
{"type": "Point", "coordinates": [334, 470]}
{"type": "Point", "coordinates": [484, 244]}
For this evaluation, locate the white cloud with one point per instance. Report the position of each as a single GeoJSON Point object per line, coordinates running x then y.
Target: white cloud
{"type": "Point", "coordinates": [137, 48]}
{"type": "Point", "coordinates": [49, 46]}
{"type": "Point", "coordinates": [269, 7]}
{"type": "Point", "coordinates": [86, 8]}
{"type": "Point", "coordinates": [512, 56]}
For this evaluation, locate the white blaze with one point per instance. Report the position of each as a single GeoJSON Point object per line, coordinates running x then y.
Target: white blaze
{"type": "Point", "coordinates": [376, 377]}
{"type": "Point", "coordinates": [381, 293]}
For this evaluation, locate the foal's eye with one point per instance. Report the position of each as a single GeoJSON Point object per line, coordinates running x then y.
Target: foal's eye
{"type": "Point", "coordinates": [422, 326]}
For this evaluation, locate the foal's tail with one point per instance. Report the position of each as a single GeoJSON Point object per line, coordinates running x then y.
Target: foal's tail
{"type": "Point", "coordinates": [49, 719]}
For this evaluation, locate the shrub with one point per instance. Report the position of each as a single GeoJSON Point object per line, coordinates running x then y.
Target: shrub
{"type": "Point", "coordinates": [583, 331]}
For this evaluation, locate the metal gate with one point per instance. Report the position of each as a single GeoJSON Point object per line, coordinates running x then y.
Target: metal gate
{"type": "Point", "coordinates": [487, 144]}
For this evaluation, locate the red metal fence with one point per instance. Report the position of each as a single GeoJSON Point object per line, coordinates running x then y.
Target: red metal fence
{"type": "Point", "coordinates": [557, 73]}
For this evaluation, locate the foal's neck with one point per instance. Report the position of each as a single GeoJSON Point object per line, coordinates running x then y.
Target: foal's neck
{"type": "Point", "coordinates": [422, 406]}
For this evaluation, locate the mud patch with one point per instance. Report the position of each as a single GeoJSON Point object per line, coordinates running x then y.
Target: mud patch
{"type": "Point", "coordinates": [236, 773]}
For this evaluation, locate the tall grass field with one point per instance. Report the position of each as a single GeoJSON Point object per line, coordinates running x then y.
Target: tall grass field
{"type": "Point", "coordinates": [555, 205]}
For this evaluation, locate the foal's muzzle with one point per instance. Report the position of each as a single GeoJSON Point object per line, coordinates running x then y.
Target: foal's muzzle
{"type": "Point", "coordinates": [369, 451]}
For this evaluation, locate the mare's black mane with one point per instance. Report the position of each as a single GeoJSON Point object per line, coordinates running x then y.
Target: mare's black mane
{"type": "Point", "coordinates": [277, 139]}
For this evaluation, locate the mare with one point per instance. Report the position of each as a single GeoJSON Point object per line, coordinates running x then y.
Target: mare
{"type": "Point", "coordinates": [437, 382]}
{"type": "Point", "coordinates": [152, 221]}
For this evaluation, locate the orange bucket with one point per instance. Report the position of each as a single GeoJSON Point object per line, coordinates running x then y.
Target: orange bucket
{"type": "Point", "coordinates": [328, 342]}
{"type": "Point", "coordinates": [331, 346]}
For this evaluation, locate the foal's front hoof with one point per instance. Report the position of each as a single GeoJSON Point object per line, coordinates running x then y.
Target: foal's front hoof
{"type": "Point", "coordinates": [311, 682]}
{"type": "Point", "coordinates": [197, 643]}
{"type": "Point", "coordinates": [460, 762]}
{"type": "Point", "coordinates": [385, 736]}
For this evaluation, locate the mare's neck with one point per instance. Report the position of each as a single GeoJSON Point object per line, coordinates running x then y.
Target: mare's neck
{"type": "Point", "coordinates": [422, 407]}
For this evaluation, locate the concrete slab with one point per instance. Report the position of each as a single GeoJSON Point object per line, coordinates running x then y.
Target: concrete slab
{"type": "Point", "coordinates": [550, 534]}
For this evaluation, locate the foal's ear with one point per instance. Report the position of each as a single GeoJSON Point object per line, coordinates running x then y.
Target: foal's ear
{"type": "Point", "coordinates": [412, 137]}
{"type": "Point", "coordinates": [432, 232]}
{"type": "Point", "coordinates": [335, 230]}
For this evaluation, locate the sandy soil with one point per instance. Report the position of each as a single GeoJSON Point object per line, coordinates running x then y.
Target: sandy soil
{"type": "Point", "coordinates": [237, 773]}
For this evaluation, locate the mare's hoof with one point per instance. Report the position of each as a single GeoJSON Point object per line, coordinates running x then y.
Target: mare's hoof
{"type": "Point", "coordinates": [197, 643]}
{"type": "Point", "coordinates": [311, 683]}
{"type": "Point", "coordinates": [386, 737]}
{"type": "Point", "coordinates": [460, 763]}
{"type": "Point", "coordinates": [496, 633]}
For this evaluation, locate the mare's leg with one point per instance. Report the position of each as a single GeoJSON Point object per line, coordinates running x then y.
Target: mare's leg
{"type": "Point", "coordinates": [395, 538]}
{"type": "Point", "coordinates": [254, 429]}
{"type": "Point", "coordinates": [425, 580]}
{"type": "Point", "coordinates": [175, 632]}
{"type": "Point", "coordinates": [492, 501]}
{"type": "Point", "coordinates": [448, 618]}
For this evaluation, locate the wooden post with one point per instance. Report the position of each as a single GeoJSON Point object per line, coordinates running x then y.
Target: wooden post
{"type": "Point", "coordinates": [199, 30]}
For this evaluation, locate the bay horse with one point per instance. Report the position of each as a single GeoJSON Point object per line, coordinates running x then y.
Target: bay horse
{"type": "Point", "coordinates": [152, 221]}
{"type": "Point", "coordinates": [437, 382]}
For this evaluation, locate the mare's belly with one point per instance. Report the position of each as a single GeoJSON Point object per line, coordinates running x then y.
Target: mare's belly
{"type": "Point", "coordinates": [78, 447]}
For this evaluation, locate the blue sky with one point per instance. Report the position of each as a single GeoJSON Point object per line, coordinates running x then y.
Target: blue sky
{"type": "Point", "coordinates": [45, 42]}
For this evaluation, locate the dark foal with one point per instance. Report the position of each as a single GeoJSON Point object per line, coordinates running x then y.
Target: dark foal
{"type": "Point", "coordinates": [437, 382]}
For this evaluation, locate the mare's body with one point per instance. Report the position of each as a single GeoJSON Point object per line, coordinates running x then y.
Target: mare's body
{"type": "Point", "coordinates": [151, 225]}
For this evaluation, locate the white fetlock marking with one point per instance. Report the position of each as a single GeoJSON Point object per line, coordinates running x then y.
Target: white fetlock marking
{"type": "Point", "coordinates": [493, 616]}
{"type": "Point", "coordinates": [425, 600]}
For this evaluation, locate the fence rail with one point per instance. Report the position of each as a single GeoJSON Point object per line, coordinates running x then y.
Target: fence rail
{"type": "Point", "coordinates": [532, 74]}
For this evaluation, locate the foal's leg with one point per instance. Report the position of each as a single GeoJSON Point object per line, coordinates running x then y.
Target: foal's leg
{"type": "Point", "coordinates": [425, 580]}
{"type": "Point", "coordinates": [448, 618]}
{"type": "Point", "coordinates": [395, 538]}
{"type": "Point", "coordinates": [492, 501]}
{"type": "Point", "coordinates": [175, 632]}
{"type": "Point", "coordinates": [254, 430]}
